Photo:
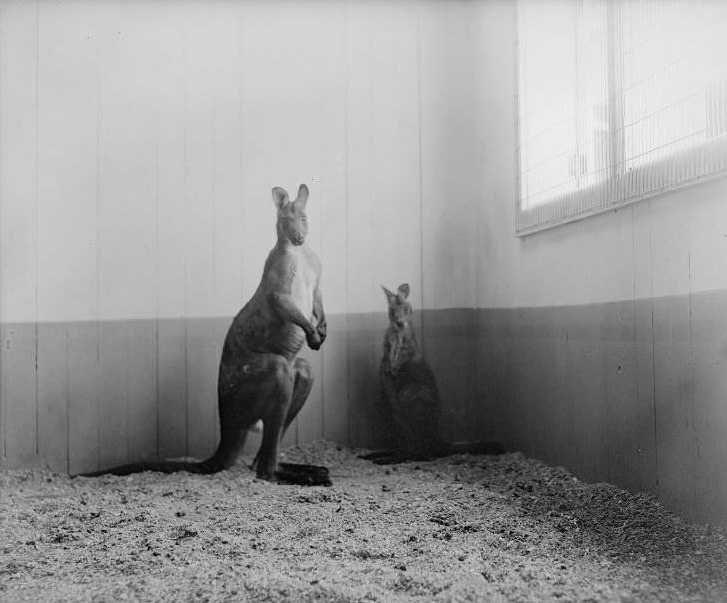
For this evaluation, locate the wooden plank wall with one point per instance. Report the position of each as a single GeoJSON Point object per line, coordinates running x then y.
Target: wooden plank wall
{"type": "Point", "coordinates": [138, 146]}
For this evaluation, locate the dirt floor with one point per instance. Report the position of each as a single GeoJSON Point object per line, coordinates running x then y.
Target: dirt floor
{"type": "Point", "coordinates": [461, 528]}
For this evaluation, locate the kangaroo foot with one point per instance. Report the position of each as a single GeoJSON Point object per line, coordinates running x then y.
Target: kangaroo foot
{"type": "Point", "coordinates": [376, 454]}
{"type": "Point", "coordinates": [303, 475]}
{"type": "Point", "coordinates": [391, 457]}
{"type": "Point", "coordinates": [386, 457]}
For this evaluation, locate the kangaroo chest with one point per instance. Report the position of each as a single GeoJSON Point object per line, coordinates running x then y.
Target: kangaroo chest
{"type": "Point", "coordinates": [303, 282]}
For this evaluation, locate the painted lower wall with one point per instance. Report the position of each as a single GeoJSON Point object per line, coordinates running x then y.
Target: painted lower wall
{"type": "Point", "coordinates": [112, 392]}
{"type": "Point", "coordinates": [631, 393]}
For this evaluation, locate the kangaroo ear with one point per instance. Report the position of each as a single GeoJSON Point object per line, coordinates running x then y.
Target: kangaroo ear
{"type": "Point", "coordinates": [404, 291]}
{"type": "Point", "coordinates": [391, 297]}
{"type": "Point", "coordinates": [302, 195]}
{"type": "Point", "coordinates": [280, 197]}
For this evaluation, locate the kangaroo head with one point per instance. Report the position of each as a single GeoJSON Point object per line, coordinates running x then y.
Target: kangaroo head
{"type": "Point", "coordinates": [399, 308]}
{"type": "Point", "coordinates": [292, 224]}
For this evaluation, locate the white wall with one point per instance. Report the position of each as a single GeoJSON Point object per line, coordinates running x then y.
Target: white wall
{"type": "Point", "coordinates": [673, 244]}
{"type": "Point", "coordinates": [140, 142]}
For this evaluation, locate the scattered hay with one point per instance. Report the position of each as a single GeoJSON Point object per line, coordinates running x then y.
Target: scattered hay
{"type": "Point", "coordinates": [460, 528]}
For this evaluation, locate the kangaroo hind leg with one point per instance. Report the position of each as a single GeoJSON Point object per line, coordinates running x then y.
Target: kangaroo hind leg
{"type": "Point", "coordinates": [277, 392]}
{"type": "Point", "coordinates": [306, 475]}
{"type": "Point", "coordinates": [301, 389]}
{"type": "Point", "coordinates": [302, 385]}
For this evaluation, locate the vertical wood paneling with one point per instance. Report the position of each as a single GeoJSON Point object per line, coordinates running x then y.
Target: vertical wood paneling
{"type": "Point", "coordinates": [363, 342]}
{"type": "Point", "coordinates": [491, 376]}
{"type": "Point", "coordinates": [360, 60]}
{"type": "Point", "coordinates": [322, 92]}
{"type": "Point", "coordinates": [331, 224]}
{"type": "Point", "coordinates": [56, 285]}
{"type": "Point", "coordinates": [200, 194]}
{"type": "Point", "coordinates": [622, 444]}
{"type": "Point", "coordinates": [451, 195]}
{"type": "Point", "coordinates": [709, 349]}
{"type": "Point", "coordinates": [170, 157]}
{"type": "Point", "coordinates": [162, 134]}
{"type": "Point", "coordinates": [645, 460]}
{"type": "Point", "coordinates": [565, 402]}
{"type": "Point", "coordinates": [126, 232]}
{"type": "Point", "coordinates": [451, 345]}
{"type": "Point", "coordinates": [257, 210]}
{"type": "Point", "coordinates": [202, 362]}
{"type": "Point", "coordinates": [393, 189]}
{"type": "Point", "coordinates": [334, 382]}
{"type": "Point", "coordinates": [171, 388]}
{"type": "Point", "coordinates": [113, 413]}
{"type": "Point", "coordinates": [19, 393]}
{"type": "Point", "coordinates": [84, 393]}
{"type": "Point", "coordinates": [18, 231]}
{"type": "Point", "coordinates": [141, 203]}
{"type": "Point", "coordinates": [394, 198]}
{"type": "Point", "coordinates": [141, 389]}
{"type": "Point", "coordinates": [227, 178]}
{"type": "Point", "coordinates": [643, 404]}
{"type": "Point", "coordinates": [53, 409]}
{"type": "Point", "coordinates": [67, 231]}
{"type": "Point", "coordinates": [674, 402]}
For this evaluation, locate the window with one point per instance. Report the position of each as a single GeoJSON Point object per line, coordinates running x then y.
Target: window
{"type": "Point", "coordinates": [617, 100]}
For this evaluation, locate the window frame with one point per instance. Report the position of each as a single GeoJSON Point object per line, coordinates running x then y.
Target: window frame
{"type": "Point", "coordinates": [559, 210]}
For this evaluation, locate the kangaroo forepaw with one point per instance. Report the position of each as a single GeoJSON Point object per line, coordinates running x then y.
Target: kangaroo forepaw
{"type": "Point", "coordinates": [314, 340]}
{"type": "Point", "coordinates": [322, 330]}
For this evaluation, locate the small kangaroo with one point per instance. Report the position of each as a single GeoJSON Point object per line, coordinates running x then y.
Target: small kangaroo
{"type": "Point", "coordinates": [260, 376]}
{"type": "Point", "coordinates": [408, 395]}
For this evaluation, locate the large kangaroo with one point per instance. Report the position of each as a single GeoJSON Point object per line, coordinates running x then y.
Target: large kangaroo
{"type": "Point", "coordinates": [260, 376]}
{"type": "Point", "coordinates": [408, 395]}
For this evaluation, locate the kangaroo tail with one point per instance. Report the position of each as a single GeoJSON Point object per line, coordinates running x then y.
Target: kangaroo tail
{"type": "Point", "coordinates": [436, 450]}
{"type": "Point", "coordinates": [475, 448]}
{"type": "Point", "coordinates": [223, 458]}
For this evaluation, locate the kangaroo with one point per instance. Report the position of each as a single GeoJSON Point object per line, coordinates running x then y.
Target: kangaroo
{"type": "Point", "coordinates": [408, 394]}
{"type": "Point", "coordinates": [260, 376]}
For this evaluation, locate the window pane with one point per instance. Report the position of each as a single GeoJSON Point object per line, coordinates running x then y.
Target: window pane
{"type": "Point", "coordinates": [563, 99]}
{"type": "Point", "coordinates": [618, 100]}
{"type": "Point", "coordinates": [673, 62]}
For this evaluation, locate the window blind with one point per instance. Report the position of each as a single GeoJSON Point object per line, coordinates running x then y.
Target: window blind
{"type": "Point", "coordinates": [617, 100]}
